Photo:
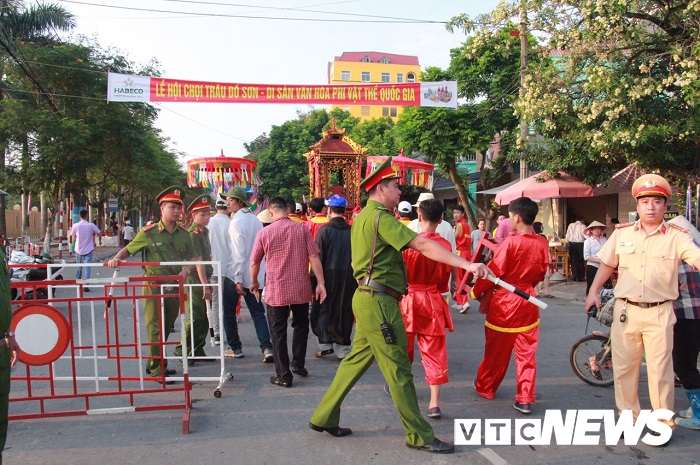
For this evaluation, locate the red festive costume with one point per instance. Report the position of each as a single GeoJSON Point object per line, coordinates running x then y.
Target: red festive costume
{"type": "Point", "coordinates": [315, 223]}
{"type": "Point", "coordinates": [512, 322]}
{"type": "Point", "coordinates": [425, 311]}
{"type": "Point", "coordinates": [464, 249]}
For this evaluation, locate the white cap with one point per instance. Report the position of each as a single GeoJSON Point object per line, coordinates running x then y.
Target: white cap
{"type": "Point", "coordinates": [404, 207]}
{"type": "Point", "coordinates": [423, 196]}
{"type": "Point", "coordinates": [298, 205]}
{"type": "Point", "coordinates": [220, 200]}
{"type": "Point", "coordinates": [128, 222]}
{"type": "Point", "coordinates": [264, 217]}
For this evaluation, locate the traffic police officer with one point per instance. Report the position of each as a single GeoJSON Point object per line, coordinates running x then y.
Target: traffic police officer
{"type": "Point", "coordinates": [8, 347]}
{"type": "Point", "coordinates": [647, 254]}
{"type": "Point", "coordinates": [197, 327]}
{"type": "Point", "coordinates": [164, 241]}
{"type": "Point", "coordinates": [380, 332]}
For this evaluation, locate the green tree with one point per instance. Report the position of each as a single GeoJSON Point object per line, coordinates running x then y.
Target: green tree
{"type": "Point", "coordinates": [94, 149]}
{"type": "Point", "coordinates": [624, 87]}
{"type": "Point", "coordinates": [378, 136]}
{"type": "Point", "coordinates": [486, 69]}
{"type": "Point", "coordinates": [443, 135]}
{"type": "Point", "coordinates": [37, 23]}
{"type": "Point", "coordinates": [282, 165]}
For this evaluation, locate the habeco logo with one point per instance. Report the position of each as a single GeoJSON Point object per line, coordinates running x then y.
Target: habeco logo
{"type": "Point", "coordinates": [128, 88]}
{"type": "Point", "coordinates": [579, 428]}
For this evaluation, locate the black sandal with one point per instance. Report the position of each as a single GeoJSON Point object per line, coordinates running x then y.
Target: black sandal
{"type": "Point", "coordinates": [323, 353]}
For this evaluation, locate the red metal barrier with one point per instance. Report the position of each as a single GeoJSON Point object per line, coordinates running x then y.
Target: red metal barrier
{"type": "Point", "coordinates": [86, 355]}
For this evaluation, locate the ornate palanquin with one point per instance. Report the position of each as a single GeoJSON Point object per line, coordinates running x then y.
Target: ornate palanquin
{"type": "Point", "coordinates": [335, 152]}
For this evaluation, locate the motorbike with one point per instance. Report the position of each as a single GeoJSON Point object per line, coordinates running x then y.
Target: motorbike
{"type": "Point", "coordinates": [24, 274]}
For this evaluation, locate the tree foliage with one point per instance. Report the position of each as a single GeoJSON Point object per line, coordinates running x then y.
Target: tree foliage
{"type": "Point", "coordinates": [281, 164]}
{"type": "Point", "coordinates": [623, 88]}
{"type": "Point", "coordinates": [85, 146]}
{"type": "Point", "coordinates": [486, 69]}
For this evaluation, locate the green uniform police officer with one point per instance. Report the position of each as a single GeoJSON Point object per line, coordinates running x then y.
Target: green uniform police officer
{"type": "Point", "coordinates": [8, 347]}
{"type": "Point", "coordinates": [380, 332]}
{"type": "Point", "coordinates": [197, 327]}
{"type": "Point", "coordinates": [164, 241]}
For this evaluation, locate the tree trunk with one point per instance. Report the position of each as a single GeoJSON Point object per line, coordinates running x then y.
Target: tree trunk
{"type": "Point", "coordinates": [26, 208]}
{"type": "Point", "coordinates": [3, 199]}
{"type": "Point", "coordinates": [462, 193]}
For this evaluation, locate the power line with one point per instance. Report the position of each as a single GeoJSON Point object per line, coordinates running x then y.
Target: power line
{"type": "Point", "coordinates": [244, 16]}
{"type": "Point", "coordinates": [34, 92]}
{"type": "Point", "coordinates": [75, 68]}
{"type": "Point", "coordinates": [102, 99]}
{"type": "Point", "coordinates": [201, 124]}
{"type": "Point", "coordinates": [305, 10]}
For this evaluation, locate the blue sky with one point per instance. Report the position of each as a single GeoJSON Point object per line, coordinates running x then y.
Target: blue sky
{"type": "Point", "coordinates": [250, 48]}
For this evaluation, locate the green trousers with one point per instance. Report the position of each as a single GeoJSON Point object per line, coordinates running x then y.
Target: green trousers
{"type": "Point", "coordinates": [392, 360]}
{"type": "Point", "coordinates": [4, 394]}
{"type": "Point", "coordinates": [197, 325]}
{"type": "Point", "coordinates": [151, 307]}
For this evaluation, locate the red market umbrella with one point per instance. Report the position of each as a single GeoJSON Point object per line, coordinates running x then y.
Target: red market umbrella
{"type": "Point", "coordinates": [540, 186]}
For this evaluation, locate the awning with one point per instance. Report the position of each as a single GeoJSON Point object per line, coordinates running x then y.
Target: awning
{"type": "Point", "coordinates": [441, 183]}
{"type": "Point", "coordinates": [620, 182]}
{"type": "Point", "coordinates": [496, 190]}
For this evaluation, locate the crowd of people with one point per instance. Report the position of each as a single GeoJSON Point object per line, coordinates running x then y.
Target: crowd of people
{"type": "Point", "coordinates": [375, 285]}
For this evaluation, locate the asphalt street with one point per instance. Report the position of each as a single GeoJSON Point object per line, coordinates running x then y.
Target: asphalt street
{"type": "Point", "coordinates": [255, 422]}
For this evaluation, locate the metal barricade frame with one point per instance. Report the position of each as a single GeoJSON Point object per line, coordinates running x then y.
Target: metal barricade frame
{"type": "Point", "coordinates": [114, 347]}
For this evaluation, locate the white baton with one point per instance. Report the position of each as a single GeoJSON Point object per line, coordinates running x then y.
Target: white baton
{"type": "Point", "coordinates": [516, 291]}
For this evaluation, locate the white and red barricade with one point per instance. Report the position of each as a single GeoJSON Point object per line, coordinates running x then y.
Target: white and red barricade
{"type": "Point", "coordinates": [85, 353]}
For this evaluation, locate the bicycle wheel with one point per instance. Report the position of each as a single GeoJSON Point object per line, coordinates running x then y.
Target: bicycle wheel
{"type": "Point", "coordinates": [591, 360]}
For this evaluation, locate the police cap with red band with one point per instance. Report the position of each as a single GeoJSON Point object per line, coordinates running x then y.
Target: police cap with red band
{"type": "Point", "coordinates": [171, 194]}
{"type": "Point", "coordinates": [651, 185]}
{"type": "Point", "coordinates": [201, 202]}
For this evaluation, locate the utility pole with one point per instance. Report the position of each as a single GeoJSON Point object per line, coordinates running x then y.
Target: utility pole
{"type": "Point", "coordinates": [524, 130]}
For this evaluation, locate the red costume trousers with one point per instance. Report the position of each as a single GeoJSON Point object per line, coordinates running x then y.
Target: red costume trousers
{"type": "Point", "coordinates": [462, 297]}
{"type": "Point", "coordinates": [433, 352]}
{"type": "Point", "coordinates": [497, 351]}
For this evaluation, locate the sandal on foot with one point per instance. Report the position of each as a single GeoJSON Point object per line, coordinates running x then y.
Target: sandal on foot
{"type": "Point", "coordinates": [323, 353]}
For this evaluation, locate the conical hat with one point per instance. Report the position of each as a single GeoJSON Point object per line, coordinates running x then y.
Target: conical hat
{"type": "Point", "coordinates": [595, 224]}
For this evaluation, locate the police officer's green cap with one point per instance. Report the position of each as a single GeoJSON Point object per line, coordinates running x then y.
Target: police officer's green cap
{"type": "Point", "coordinates": [201, 202]}
{"type": "Point", "coordinates": [240, 194]}
{"type": "Point", "coordinates": [171, 194]}
{"type": "Point", "coordinates": [383, 171]}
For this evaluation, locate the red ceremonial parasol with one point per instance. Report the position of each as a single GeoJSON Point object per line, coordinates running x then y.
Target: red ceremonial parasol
{"type": "Point", "coordinates": [220, 174]}
{"type": "Point", "coordinates": [539, 186]}
{"type": "Point", "coordinates": [413, 172]}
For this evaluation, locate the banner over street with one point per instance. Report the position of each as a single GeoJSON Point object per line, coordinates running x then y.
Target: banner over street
{"type": "Point", "coordinates": [134, 88]}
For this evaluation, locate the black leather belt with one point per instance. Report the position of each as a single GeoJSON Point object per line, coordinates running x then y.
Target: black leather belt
{"type": "Point", "coordinates": [645, 304]}
{"type": "Point", "coordinates": [378, 287]}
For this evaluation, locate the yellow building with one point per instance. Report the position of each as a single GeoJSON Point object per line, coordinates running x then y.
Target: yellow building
{"type": "Point", "coordinates": [354, 68]}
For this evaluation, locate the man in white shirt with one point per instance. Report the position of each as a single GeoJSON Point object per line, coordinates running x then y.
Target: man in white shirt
{"type": "Point", "coordinates": [575, 236]}
{"type": "Point", "coordinates": [444, 228]}
{"type": "Point", "coordinates": [221, 251]}
{"type": "Point", "coordinates": [243, 229]}
{"type": "Point", "coordinates": [84, 234]}
{"type": "Point", "coordinates": [128, 233]}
